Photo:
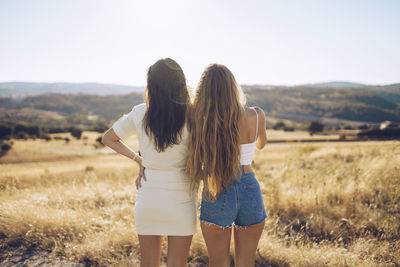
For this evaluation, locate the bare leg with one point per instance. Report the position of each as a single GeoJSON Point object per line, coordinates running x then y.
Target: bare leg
{"type": "Point", "coordinates": [246, 242]}
{"type": "Point", "coordinates": [178, 250]}
{"type": "Point", "coordinates": [218, 241]}
{"type": "Point", "coordinates": [150, 250]}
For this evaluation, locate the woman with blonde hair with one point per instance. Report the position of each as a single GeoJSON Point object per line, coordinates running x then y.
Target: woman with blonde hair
{"type": "Point", "coordinates": [223, 137]}
{"type": "Point", "coordinates": [165, 204]}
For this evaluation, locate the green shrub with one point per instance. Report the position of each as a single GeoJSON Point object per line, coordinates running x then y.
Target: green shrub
{"type": "Point", "coordinates": [5, 147]}
{"type": "Point", "coordinates": [5, 131]}
{"type": "Point", "coordinates": [76, 132]}
{"type": "Point", "coordinates": [46, 137]}
{"type": "Point", "coordinates": [288, 129]}
{"type": "Point", "coordinates": [279, 125]}
{"type": "Point", "coordinates": [21, 135]}
{"type": "Point", "coordinates": [30, 130]}
{"type": "Point", "coordinates": [315, 127]}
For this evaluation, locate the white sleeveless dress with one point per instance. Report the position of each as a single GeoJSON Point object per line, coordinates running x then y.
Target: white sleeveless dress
{"type": "Point", "coordinates": [164, 204]}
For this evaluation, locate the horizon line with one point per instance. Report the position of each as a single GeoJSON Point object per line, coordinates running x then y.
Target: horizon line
{"type": "Point", "coordinates": [244, 84]}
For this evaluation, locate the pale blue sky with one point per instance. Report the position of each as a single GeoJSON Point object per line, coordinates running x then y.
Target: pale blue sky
{"type": "Point", "coordinates": [262, 42]}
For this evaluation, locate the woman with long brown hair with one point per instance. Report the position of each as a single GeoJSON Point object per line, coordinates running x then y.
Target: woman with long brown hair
{"type": "Point", "coordinates": [165, 204]}
{"type": "Point", "coordinates": [223, 137]}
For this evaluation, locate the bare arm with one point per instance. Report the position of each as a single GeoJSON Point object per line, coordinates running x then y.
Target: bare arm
{"type": "Point", "coordinates": [262, 134]}
{"type": "Point", "coordinates": [111, 140]}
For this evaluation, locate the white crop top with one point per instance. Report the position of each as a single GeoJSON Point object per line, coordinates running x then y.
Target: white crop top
{"type": "Point", "coordinates": [247, 150]}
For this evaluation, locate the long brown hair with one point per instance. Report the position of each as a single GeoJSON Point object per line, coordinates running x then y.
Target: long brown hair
{"type": "Point", "coordinates": [213, 123]}
{"type": "Point", "coordinates": [167, 99]}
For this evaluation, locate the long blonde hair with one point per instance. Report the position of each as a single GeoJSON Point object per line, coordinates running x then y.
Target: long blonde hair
{"type": "Point", "coordinates": [213, 123]}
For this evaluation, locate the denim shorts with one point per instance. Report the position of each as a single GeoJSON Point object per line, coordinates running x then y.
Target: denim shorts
{"type": "Point", "coordinates": [241, 204]}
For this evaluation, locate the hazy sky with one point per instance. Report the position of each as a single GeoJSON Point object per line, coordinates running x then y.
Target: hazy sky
{"type": "Point", "coordinates": [262, 42]}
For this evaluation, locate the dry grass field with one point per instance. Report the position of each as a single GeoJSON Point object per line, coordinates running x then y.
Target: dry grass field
{"type": "Point", "coordinates": [329, 204]}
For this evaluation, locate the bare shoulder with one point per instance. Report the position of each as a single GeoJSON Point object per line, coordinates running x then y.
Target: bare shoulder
{"type": "Point", "coordinates": [251, 115]}
{"type": "Point", "coordinates": [259, 110]}
{"type": "Point", "coordinates": [250, 111]}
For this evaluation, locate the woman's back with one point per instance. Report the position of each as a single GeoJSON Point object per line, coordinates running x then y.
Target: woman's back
{"type": "Point", "coordinates": [252, 127]}
{"type": "Point", "coordinates": [248, 135]}
{"type": "Point", "coordinates": [173, 158]}
{"type": "Point", "coordinates": [248, 126]}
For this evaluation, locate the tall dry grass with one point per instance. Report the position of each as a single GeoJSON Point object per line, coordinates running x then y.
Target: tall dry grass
{"type": "Point", "coordinates": [333, 204]}
{"type": "Point", "coordinates": [329, 204]}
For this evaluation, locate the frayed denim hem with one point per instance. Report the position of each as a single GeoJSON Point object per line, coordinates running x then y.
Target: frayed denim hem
{"type": "Point", "coordinates": [237, 227]}
{"type": "Point", "coordinates": [211, 223]}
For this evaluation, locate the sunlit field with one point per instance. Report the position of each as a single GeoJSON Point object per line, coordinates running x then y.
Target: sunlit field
{"type": "Point", "coordinates": [329, 204]}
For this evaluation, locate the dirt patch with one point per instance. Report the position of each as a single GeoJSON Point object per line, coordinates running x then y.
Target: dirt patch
{"type": "Point", "coordinates": [33, 257]}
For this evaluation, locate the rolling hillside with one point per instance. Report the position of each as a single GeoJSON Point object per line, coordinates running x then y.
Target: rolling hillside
{"type": "Point", "coordinates": [365, 104]}
{"type": "Point", "coordinates": [371, 104]}
{"type": "Point", "coordinates": [8, 89]}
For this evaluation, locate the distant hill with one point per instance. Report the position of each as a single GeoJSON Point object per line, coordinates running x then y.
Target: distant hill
{"type": "Point", "coordinates": [30, 88]}
{"type": "Point", "coordinates": [66, 110]}
{"type": "Point", "coordinates": [88, 105]}
{"type": "Point", "coordinates": [335, 84]}
{"type": "Point", "coordinates": [364, 104]}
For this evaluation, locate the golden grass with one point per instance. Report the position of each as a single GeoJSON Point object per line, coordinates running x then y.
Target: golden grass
{"type": "Point", "coordinates": [333, 204]}
{"type": "Point", "coordinates": [304, 135]}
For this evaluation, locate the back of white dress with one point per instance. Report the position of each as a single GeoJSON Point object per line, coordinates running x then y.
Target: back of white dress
{"type": "Point", "coordinates": [164, 204]}
{"type": "Point", "coordinates": [172, 158]}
